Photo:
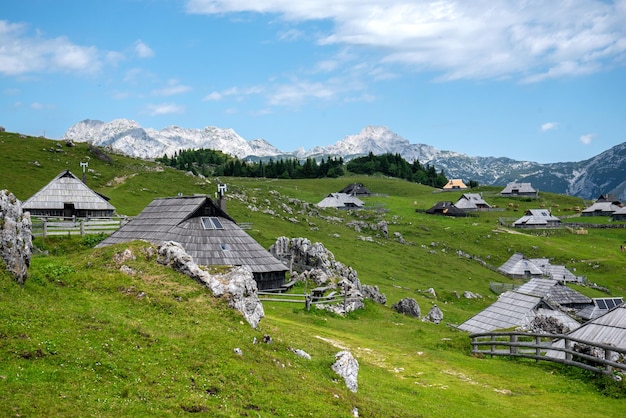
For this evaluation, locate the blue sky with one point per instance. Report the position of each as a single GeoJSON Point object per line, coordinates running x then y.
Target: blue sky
{"type": "Point", "coordinates": [537, 80]}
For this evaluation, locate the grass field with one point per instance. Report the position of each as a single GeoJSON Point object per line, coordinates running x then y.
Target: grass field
{"type": "Point", "coordinates": [81, 338]}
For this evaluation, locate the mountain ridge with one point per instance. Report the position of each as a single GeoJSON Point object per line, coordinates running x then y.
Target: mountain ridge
{"type": "Point", "coordinates": [604, 173]}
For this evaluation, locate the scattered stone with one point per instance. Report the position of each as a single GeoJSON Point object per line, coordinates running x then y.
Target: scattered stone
{"type": "Point", "coordinates": [434, 315]}
{"type": "Point", "coordinates": [347, 367]}
{"type": "Point", "coordinates": [238, 351]}
{"type": "Point", "coordinates": [431, 292]}
{"type": "Point", "coordinates": [471, 295]}
{"type": "Point", "coordinates": [267, 339]}
{"type": "Point", "coordinates": [127, 270]}
{"type": "Point", "coordinates": [301, 353]}
{"type": "Point", "coordinates": [407, 306]}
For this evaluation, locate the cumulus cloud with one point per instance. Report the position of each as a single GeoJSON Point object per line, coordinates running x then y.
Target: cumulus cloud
{"type": "Point", "coordinates": [586, 139]}
{"type": "Point", "coordinates": [142, 50]}
{"type": "Point", "coordinates": [23, 53]}
{"type": "Point", "coordinates": [173, 87]}
{"type": "Point", "coordinates": [237, 92]}
{"type": "Point", "coordinates": [164, 109]}
{"type": "Point", "coordinates": [548, 126]}
{"type": "Point", "coordinates": [529, 41]}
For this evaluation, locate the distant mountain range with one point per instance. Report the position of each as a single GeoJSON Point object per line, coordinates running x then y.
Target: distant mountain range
{"type": "Point", "coordinates": [604, 173]}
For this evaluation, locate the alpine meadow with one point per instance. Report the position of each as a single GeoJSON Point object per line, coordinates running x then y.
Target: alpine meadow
{"type": "Point", "coordinates": [83, 338]}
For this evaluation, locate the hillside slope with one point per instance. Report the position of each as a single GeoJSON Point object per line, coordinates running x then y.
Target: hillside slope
{"type": "Point", "coordinates": [81, 335]}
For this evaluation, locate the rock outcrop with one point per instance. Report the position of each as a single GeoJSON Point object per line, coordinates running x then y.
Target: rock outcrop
{"type": "Point", "coordinates": [237, 286]}
{"type": "Point", "coordinates": [16, 240]}
{"type": "Point", "coordinates": [347, 367]}
{"type": "Point", "coordinates": [316, 263]}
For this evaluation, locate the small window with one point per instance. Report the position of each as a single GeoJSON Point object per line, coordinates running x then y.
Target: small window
{"type": "Point", "coordinates": [211, 223]}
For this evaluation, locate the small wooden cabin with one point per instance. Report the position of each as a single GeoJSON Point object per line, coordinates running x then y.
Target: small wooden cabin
{"type": "Point", "coordinates": [67, 196]}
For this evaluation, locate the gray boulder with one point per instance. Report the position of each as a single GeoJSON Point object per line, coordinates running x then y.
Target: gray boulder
{"type": "Point", "coordinates": [407, 306]}
{"type": "Point", "coordinates": [434, 315]}
{"type": "Point", "coordinates": [16, 240]}
{"type": "Point", "coordinates": [237, 285]}
{"type": "Point", "coordinates": [372, 292]}
{"type": "Point", "coordinates": [347, 367]}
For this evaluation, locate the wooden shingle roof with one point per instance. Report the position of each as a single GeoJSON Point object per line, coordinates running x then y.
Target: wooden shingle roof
{"type": "Point", "coordinates": [189, 221]}
{"type": "Point", "coordinates": [609, 329]}
{"type": "Point", "coordinates": [67, 188]}
{"type": "Point", "coordinates": [340, 201]}
{"type": "Point", "coordinates": [510, 310]}
{"type": "Point", "coordinates": [518, 266]}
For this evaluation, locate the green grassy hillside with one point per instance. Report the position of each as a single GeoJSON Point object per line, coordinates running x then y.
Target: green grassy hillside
{"type": "Point", "coordinates": [83, 338]}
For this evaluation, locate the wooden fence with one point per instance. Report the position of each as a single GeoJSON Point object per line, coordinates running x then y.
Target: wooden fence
{"type": "Point", "coordinates": [305, 298]}
{"type": "Point", "coordinates": [535, 346]}
{"type": "Point", "coordinates": [44, 227]}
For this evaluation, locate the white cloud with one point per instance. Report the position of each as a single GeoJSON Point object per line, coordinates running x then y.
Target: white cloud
{"type": "Point", "coordinates": [164, 109]}
{"type": "Point", "coordinates": [531, 41]}
{"type": "Point", "coordinates": [548, 126]}
{"type": "Point", "coordinates": [22, 53]}
{"type": "Point", "coordinates": [143, 50]}
{"type": "Point", "coordinates": [238, 92]}
{"type": "Point", "coordinates": [586, 139]}
{"type": "Point", "coordinates": [173, 87]}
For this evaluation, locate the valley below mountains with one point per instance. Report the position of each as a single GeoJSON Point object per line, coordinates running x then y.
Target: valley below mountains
{"type": "Point", "coordinates": [604, 173]}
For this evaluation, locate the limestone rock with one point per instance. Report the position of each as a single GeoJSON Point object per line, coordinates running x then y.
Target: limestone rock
{"type": "Point", "coordinates": [237, 285]}
{"type": "Point", "coordinates": [434, 315]}
{"type": "Point", "coordinates": [16, 241]}
{"type": "Point", "coordinates": [372, 292]}
{"type": "Point", "coordinates": [407, 306]}
{"type": "Point", "coordinates": [347, 367]}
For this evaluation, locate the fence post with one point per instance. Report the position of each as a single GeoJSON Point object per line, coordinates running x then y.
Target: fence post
{"type": "Point", "coordinates": [493, 347]}
{"type": "Point", "coordinates": [607, 356]}
{"type": "Point", "coordinates": [513, 348]}
{"type": "Point", "coordinates": [82, 228]}
{"type": "Point", "coordinates": [567, 345]}
{"type": "Point", "coordinates": [537, 347]}
{"type": "Point", "coordinates": [45, 227]}
{"type": "Point", "coordinates": [474, 346]}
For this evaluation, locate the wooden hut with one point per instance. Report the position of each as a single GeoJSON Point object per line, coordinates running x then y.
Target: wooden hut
{"type": "Point", "coordinates": [472, 202]}
{"type": "Point", "coordinates": [519, 267]}
{"type": "Point", "coordinates": [537, 218]}
{"type": "Point", "coordinates": [519, 307]}
{"type": "Point", "coordinates": [605, 205]}
{"type": "Point", "coordinates": [608, 329]}
{"type": "Point", "coordinates": [446, 208]}
{"type": "Point", "coordinates": [356, 189]}
{"type": "Point", "coordinates": [518, 190]}
{"type": "Point", "coordinates": [67, 196]}
{"type": "Point", "coordinates": [341, 201]}
{"type": "Point", "coordinates": [206, 232]}
{"type": "Point", "coordinates": [454, 185]}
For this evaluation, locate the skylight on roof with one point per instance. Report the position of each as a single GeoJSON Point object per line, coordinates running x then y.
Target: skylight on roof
{"type": "Point", "coordinates": [211, 223]}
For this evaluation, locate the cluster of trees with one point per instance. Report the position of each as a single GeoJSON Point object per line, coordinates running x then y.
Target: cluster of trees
{"type": "Point", "coordinates": [215, 163]}
{"type": "Point", "coordinates": [290, 168]}
{"type": "Point", "coordinates": [394, 165]}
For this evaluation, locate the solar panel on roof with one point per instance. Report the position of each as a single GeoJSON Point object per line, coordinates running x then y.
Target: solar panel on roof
{"type": "Point", "coordinates": [601, 304]}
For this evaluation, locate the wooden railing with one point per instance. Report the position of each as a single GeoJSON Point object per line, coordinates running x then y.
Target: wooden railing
{"type": "Point", "coordinates": [44, 227]}
{"type": "Point", "coordinates": [304, 298]}
{"type": "Point", "coordinates": [535, 346]}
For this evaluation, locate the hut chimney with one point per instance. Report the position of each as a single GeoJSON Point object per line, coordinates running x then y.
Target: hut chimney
{"type": "Point", "coordinates": [84, 167]}
{"type": "Point", "coordinates": [221, 189]}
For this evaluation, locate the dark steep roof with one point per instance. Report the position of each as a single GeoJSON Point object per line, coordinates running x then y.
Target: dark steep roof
{"type": "Point", "coordinates": [189, 221]}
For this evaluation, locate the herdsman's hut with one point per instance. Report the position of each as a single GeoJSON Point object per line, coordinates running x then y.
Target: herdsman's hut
{"type": "Point", "coordinates": [472, 202]}
{"type": "Point", "coordinates": [356, 189]}
{"type": "Point", "coordinates": [519, 267]}
{"type": "Point", "coordinates": [206, 232]}
{"type": "Point", "coordinates": [605, 205]}
{"type": "Point", "coordinates": [518, 190]}
{"type": "Point", "coordinates": [341, 201]}
{"type": "Point", "coordinates": [67, 196]}
{"type": "Point", "coordinates": [537, 218]}
{"type": "Point", "coordinates": [524, 306]}
{"type": "Point", "coordinates": [454, 184]}
{"type": "Point", "coordinates": [446, 208]}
